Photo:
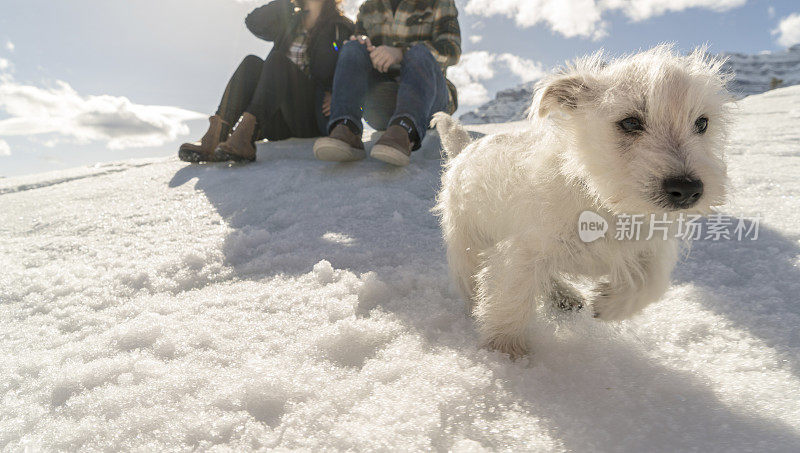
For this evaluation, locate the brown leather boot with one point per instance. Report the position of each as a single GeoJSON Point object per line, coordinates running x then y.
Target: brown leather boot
{"type": "Point", "coordinates": [239, 146]}
{"type": "Point", "coordinates": [342, 145]}
{"type": "Point", "coordinates": [203, 151]}
{"type": "Point", "coordinates": [394, 147]}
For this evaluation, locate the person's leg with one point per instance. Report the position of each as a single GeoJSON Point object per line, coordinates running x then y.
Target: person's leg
{"type": "Point", "coordinates": [423, 90]}
{"type": "Point", "coordinates": [351, 82]}
{"type": "Point", "coordinates": [322, 120]}
{"type": "Point", "coordinates": [380, 104]}
{"type": "Point", "coordinates": [240, 90]}
{"type": "Point", "coordinates": [235, 99]}
{"type": "Point", "coordinates": [302, 105]}
{"type": "Point", "coordinates": [271, 87]}
{"type": "Point", "coordinates": [256, 121]}
{"type": "Point", "coordinates": [274, 128]}
{"type": "Point", "coordinates": [354, 75]}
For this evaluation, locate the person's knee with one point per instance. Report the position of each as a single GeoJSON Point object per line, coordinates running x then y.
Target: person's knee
{"type": "Point", "coordinates": [252, 60]}
{"type": "Point", "coordinates": [419, 53]}
{"type": "Point", "coordinates": [354, 50]}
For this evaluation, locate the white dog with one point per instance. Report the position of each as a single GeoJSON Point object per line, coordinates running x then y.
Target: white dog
{"type": "Point", "coordinates": [638, 135]}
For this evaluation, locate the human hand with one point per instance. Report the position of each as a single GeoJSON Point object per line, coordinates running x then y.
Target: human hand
{"type": "Point", "coordinates": [326, 104]}
{"type": "Point", "coordinates": [363, 39]}
{"type": "Point", "coordinates": [383, 57]}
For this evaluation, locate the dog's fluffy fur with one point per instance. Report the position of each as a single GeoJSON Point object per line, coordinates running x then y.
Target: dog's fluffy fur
{"type": "Point", "coordinates": [510, 203]}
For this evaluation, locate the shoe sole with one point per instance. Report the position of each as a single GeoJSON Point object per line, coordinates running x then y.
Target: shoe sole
{"type": "Point", "coordinates": [189, 156]}
{"type": "Point", "coordinates": [332, 150]}
{"type": "Point", "coordinates": [222, 156]}
{"type": "Point", "coordinates": [390, 155]}
{"type": "Point", "coordinates": [194, 157]}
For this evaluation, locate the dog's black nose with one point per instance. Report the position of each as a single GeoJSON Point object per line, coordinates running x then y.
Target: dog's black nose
{"type": "Point", "coordinates": [683, 192]}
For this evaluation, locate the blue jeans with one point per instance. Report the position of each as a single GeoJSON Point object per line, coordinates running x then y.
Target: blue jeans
{"type": "Point", "coordinates": [422, 89]}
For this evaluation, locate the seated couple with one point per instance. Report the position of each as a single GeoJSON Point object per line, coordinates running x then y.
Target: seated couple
{"type": "Point", "coordinates": [324, 73]}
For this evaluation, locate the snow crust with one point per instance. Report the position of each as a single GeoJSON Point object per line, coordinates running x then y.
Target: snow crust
{"type": "Point", "coordinates": [292, 304]}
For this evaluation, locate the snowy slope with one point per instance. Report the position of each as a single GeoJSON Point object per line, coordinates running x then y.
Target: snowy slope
{"type": "Point", "coordinates": [753, 75]}
{"type": "Point", "coordinates": [511, 104]}
{"type": "Point", "coordinates": [293, 304]}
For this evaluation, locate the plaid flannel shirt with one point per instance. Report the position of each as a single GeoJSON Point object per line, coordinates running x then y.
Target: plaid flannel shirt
{"type": "Point", "coordinates": [433, 23]}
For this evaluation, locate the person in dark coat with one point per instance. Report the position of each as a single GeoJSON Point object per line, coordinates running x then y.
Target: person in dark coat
{"type": "Point", "coordinates": [285, 95]}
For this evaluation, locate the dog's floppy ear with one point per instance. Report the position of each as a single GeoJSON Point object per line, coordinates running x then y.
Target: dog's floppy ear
{"type": "Point", "coordinates": [564, 92]}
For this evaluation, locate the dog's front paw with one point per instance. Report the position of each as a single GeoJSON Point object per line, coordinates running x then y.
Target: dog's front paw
{"type": "Point", "coordinates": [514, 346]}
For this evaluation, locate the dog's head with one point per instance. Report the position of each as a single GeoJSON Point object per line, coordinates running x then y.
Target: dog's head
{"type": "Point", "coordinates": [647, 131]}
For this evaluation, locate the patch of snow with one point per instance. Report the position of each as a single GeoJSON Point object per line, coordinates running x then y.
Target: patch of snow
{"type": "Point", "coordinates": [295, 304]}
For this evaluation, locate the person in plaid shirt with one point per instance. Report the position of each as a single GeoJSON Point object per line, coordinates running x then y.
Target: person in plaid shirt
{"type": "Point", "coordinates": [393, 72]}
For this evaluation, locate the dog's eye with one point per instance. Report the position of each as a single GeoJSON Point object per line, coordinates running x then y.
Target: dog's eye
{"type": "Point", "coordinates": [631, 125]}
{"type": "Point", "coordinates": [701, 125]}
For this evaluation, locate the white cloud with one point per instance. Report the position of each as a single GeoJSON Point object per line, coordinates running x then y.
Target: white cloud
{"type": "Point", "coordinates": [350, 7]}
{"type": "Point", "coordinates": [475, 39]}
{"type": "Point", "coordinates": [467, 75]}
{"type": "Point", "coordinates": [644, 9]}
{"type": "Point", "coordinates": [4, 64]}
{"type": "Point", "coordinates": [63, 113]}
{"type": "Point", "coordinates": [788, 30]}
{"type": "Point", "coordinates": [568, 17]}
{"type": "Point", "coordinates": [478, 67]}
{"type": "Point", "coordinates": [10, 46]}
{"type": "Point", "coordinates": [5, 150]}
{"type": "Point", "coordinates": [585, 18]}
{"type": "Point", "coordinates": [771, 12]}
{"type": "Point", "coordinates": [526, 70]}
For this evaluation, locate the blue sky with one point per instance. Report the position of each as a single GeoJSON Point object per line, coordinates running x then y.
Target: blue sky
{"type": "Point", "coordinates": [84, 81]}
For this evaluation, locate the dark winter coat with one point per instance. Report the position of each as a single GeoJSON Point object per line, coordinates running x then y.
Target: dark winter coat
{"type": "Point", "coordinates": [279, 21]}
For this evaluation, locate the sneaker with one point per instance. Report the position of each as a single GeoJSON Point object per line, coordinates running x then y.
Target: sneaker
{"type": "Point", "coordinates": [394, 147]}
{"type": "Point", "coordinates": [342, 145]}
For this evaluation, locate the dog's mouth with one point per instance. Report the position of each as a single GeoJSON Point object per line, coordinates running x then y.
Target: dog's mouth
{"type": "Point", "coordinates": [667, 205]}
{"type": "Point", "coordinates": [672, 206]}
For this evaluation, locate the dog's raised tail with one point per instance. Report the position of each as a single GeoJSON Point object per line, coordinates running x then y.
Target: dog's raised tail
{"type": "Point", "coordinates": [453, 136]}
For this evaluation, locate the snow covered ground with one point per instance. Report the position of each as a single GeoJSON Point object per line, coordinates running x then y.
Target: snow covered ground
{"type": "Point", "coordinates": [294, 304]}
